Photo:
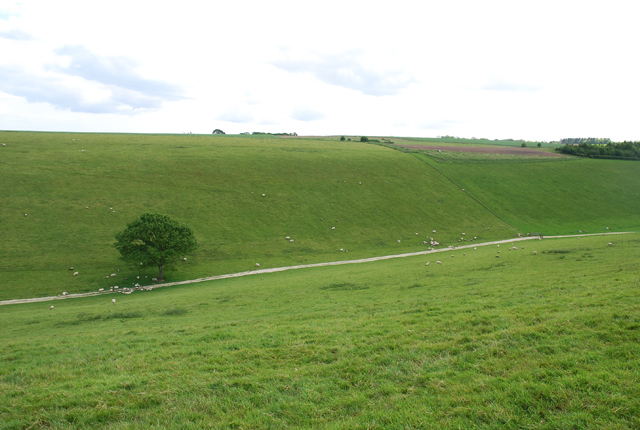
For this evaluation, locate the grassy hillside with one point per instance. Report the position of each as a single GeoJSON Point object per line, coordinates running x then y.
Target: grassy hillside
{"type": "Point", "coordinates": [553, 197]}
{"type": "Point", "coordinates": [522, 341]}
{"type": "Point", "coordinates": [214, 184]}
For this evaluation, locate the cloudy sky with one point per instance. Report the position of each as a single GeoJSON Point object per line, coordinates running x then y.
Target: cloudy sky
{"type": "Point", "coordinates": [497, 69]}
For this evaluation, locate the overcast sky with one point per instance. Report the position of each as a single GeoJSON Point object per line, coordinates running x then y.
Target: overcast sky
{"type": "Point", "coordinates": [495, 69]}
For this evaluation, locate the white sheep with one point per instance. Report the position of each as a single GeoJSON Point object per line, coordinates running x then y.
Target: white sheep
{"type": "Point", "coordinates": [51, 307]}
{"type": "Point", "coordinates": [535, 252]}
{"type": "Point", "coordinates": [4, 144]}
{"type": "Point", "coordinates": [433, 231]}
{"type": "Point", "coordinates": [25, 214]}
{"type": "Point", "coordinates": [113, 274]}
{"type": "Point", "coordinates": [287, 237]}
{"type": "Point", "coordinates": [184, 259]}
{"type": "Point", "coordinates": [100, 289]}
{"type": "Point", "coordinates": [427, 263]}
{"type": "Point", "coordinates": [113, 301]}
{"type": "Point", "coordinates": [75, 273]}
{"type": "Point", "coordinates": [438, 262]}
{"type": "Point", "coordinates": [333, 228]}
{"type": "Point", "coordinates": [257, 264]}
{"type": "Point", "coordinates": [64, 293]}
{"type": "Point", "coordinates": [290, 240]}
{"type": "Point", "coordinates": [263, 195]}
{"type": "Point", "coordinates": [610, 244]}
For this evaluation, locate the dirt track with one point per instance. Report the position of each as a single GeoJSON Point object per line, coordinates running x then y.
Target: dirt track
{"type": "Point", "coordinates": [486, 150]}
{"type": "Point", "coordinates": [304, 266]}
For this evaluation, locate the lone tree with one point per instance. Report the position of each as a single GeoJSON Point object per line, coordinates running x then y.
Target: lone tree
{"type": "Point", "coordinates": [218, 131]}
{"type": "Point", "coordinates": [364, 139]}
{"type": "Point", "coordinates": [155, 240]}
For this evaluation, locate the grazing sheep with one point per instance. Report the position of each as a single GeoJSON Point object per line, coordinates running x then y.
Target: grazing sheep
{"type": "Point", "coordinates": [610, 244]}
{"type": "Point", "coordinates": [438, 262]}
{"type": "Point", "coordinates": [398, 240]}
{"type": "Point", "coordinates": [75, 273]}
{"type": "Point", "coordinates": [497, 256]}
{"type": "Point", "coordinates": [116, 287]}
{"type": "Point", "coordinates": [333, 228]}
{"type": "Point", "coordinates": [433, 231]}
{"type": "Point", "coordinates": [463, 234]}
{"type": "Point", "coordinates": [427, 263]}
{"type": "Point", "coordinates": [137, 277]}
{"type": "Point", "coordinates": [64, 293]}
{"type": "Point", "coordinates": [113, 300]}
{"type": "Point", "coordinates": [535, 252]}
{"type": "Point", "coordinates": [453, 255]}
{"type": "Point", "coordinates": [498, 246]}
{"type": "Point", "coordinates": [113, 274]}
{"type": "Point", "coordinates": [101, 289]}
{"type": "Point", "coordinates": [475, 247]}
{"type": "Point", "coordinates": [257, 264]}
{"type": "Point", "coordinates": [290, 240]}
{"type": "Point", "coordinates": [71, 268]}
{"type": "Point", "coordinates": [515, 247]}
{"type": "Point", "coordinates": [184, 259]}
{"type": "Point", "coordinates": [51, 307]}
{"type": "Point", "coordinates": [154, 279]}
{"type": "Point", "coordinates": [263, 195]}
{"type": "Point", "coordinates": [4, 144]}
{"type": "Point", "coordinates": [25, 214]}
{"type": "Point", "coordinates": [359, 183]}
{"type": "Point", "coordinates": [287, 237]}
{"type": "Point", "coordinates": [607, 228]}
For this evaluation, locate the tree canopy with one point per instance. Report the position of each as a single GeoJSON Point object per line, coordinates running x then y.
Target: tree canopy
{"type": "Point", "coordinates": [218, 131]}
{"type": "Point", "coordinates": [155, 240]}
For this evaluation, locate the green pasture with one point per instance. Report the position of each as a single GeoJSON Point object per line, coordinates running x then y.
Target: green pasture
{"type": "Point", "coordinates": [377, 200]}
{"type": "Point", "coordinates": [542, 341]}
{"type": "Point", "coordinates": [565, 196]}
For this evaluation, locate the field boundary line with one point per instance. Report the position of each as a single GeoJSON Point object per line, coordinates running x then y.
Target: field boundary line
{"type": "Point", "coordinates": [307, 266]}
{"type": "Point", "coordinates": [427, 162]}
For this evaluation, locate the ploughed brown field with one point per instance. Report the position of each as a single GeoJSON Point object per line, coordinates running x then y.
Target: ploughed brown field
{"type": "Point", "coordinates": [485, 150]}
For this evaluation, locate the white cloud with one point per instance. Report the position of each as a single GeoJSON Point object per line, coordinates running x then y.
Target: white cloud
{"type": "Point", "coordinates": [15, 34]}
{"type": "Point", "coordinates": [349, 70]}
{"type": "Point", "coordinates": [236, 114]}
{"type": "Point", "coordinates": [492, 69]}
{"type": "Point", "coordinates": [304, 113]}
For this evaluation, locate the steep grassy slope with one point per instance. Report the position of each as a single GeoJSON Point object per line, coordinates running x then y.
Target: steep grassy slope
{"type": "Point", "coordinates": [554, 197]}
{"type": "Point", "coordinates": [215, 185]}
{"type": "Point", "coordinates": [523, 341]}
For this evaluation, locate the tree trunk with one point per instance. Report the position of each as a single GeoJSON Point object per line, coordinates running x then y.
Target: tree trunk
{"type": "Point", "coordinates": [160, 274]}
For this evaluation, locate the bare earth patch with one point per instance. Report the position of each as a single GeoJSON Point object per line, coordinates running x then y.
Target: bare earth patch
{"type": "Point", "coordinates": [485, 150]}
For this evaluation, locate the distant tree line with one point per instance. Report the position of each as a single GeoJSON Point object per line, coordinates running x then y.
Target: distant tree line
{"type": "Point", "coordinates": [587, 140]}
{"type": "Point", "coordinates": [622, 150]}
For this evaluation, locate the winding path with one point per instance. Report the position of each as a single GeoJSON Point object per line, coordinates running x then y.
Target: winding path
{"type": "Point", "coordinates": [303, 266]}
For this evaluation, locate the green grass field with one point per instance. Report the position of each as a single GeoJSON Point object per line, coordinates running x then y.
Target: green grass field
{"type": "Point", "coordinates": [522, 341]}
{"type": "Point", "coordinates": [207, 182]}
{"type": "Point", "coordinates": [541, 341]}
